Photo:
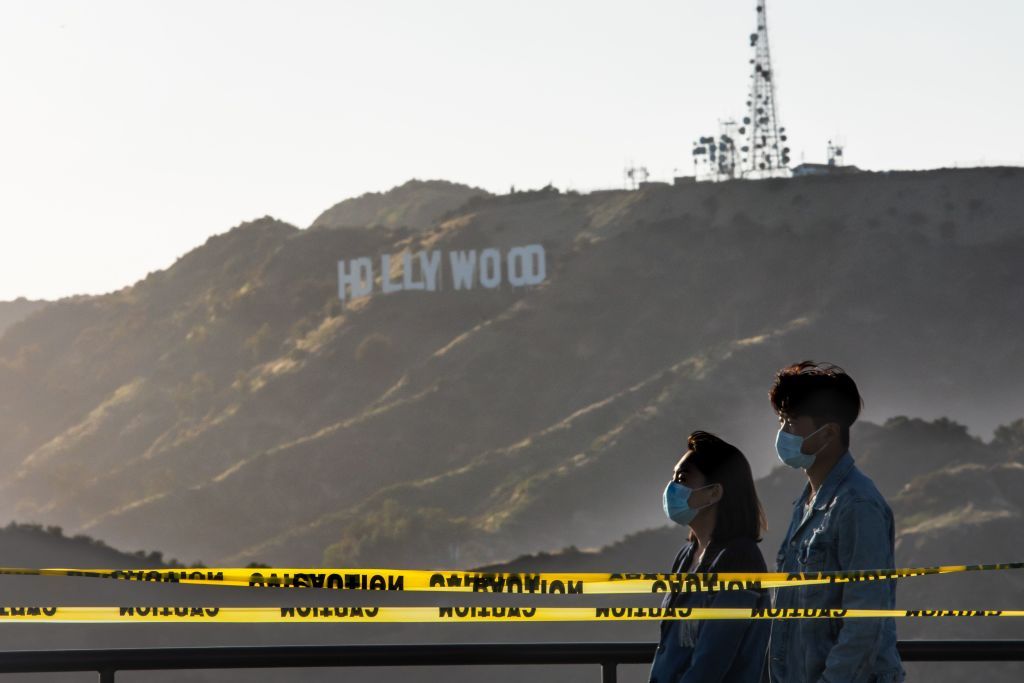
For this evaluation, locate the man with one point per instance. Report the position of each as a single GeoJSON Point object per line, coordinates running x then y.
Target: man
{"type": "Point", "coordinates": [841, 522]}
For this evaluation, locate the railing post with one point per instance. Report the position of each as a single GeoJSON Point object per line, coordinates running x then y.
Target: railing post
{"type": "Point", "coordinates": [107, 675]}
{"type": "Point", "coordinates": [608, 672]}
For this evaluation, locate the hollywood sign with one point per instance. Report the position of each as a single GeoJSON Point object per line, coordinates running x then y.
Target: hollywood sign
{"type": "Point", "coordinates": [424, 271]}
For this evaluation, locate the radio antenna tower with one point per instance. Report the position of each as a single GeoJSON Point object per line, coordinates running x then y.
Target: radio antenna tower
{"type": "Point", "coordinates": [766, 153]}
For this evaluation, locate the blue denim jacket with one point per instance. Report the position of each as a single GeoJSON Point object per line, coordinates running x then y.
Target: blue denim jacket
{"type": "Point", "coordinates": [848, 526]}
{"type": "Point", "coordinates": [726, 651]}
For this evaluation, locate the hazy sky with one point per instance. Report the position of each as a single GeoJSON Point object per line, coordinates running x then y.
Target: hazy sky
{"type": "Point", "coordinates": [131, 131]}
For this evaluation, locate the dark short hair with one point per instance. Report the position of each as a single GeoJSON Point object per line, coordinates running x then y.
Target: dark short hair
{"type": "Point", "coordinates": [820, 391]}
{"type": "Point", "coordinates": [740, 514]}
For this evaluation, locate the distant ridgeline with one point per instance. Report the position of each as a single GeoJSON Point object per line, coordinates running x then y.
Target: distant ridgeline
{"type": "Point", "coordinates": [423, 271]}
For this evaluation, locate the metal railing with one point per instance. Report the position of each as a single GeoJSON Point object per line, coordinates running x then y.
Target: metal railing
{"type": "Point", "coordinates": [606, 655]}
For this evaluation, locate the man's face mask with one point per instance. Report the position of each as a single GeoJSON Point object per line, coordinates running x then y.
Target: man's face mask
{"type": "Point", "coordinates": [788, 447]}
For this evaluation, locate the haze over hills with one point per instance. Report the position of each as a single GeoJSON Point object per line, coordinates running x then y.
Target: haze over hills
{"type": "Point", "coordinates": [230, 409]}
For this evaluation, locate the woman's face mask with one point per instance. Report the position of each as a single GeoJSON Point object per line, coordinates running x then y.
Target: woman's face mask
{"type": "Point", "coordinates": [676, 501]}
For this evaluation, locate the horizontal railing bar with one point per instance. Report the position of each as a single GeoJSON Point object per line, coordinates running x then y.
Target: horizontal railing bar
{"type": "Point", "coordinates": [300, 656]}
{"type": "Point", "coordinates": [440, 654]}
{"type": "Point", "coordinates": [961, 650]}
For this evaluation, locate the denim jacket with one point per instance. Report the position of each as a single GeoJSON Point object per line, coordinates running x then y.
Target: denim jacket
{"type": "Point", "coordinates": [726, 651]}
{"type": "Point", "coordinates": [848, 526]}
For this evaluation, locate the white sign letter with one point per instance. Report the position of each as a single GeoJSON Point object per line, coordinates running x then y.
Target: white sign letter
{"type": "Point", "coordinates": [516, 263]}
{"type": "Point", "coordinates": [429, 268]}
{"type": "Point", "coordinates": [490, 268]}
{"type": "Point", "coordinates": [534, 273]}
{"type": "Point", "coordinates": [407, 273]}
{"type": "Point", "coordinates": [387, 286]}
{"type": "Point", "coordinates": [463, 264]}
{"type": "Point", "coordinates": [358, 276]}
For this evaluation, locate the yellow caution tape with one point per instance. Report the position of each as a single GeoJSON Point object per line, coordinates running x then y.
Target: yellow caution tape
{"type": "Point", "coordinates": [501, 582]}
{"type": "Point", "coordinates": [249, 615]}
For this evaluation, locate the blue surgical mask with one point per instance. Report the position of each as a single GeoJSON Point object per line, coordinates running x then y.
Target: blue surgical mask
{"type": "Point", "coordinates": [676, 501]}
{"type": "Point", "coordinates": [788, 447]}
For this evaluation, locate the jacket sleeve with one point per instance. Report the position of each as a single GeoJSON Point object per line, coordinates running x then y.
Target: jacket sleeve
{"type": "Point", "coordinates": [865, 542]}
{"type": "Point", "coordinates": [718, 644]}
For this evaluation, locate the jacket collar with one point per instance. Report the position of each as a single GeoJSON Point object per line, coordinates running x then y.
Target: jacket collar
{"type": "Point", "coordinates": [686, 556]}
{"type": "Point", "coordinates": [828, 488]}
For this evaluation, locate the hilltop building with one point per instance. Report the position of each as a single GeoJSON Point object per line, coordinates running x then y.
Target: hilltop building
{"type": "Point", "coordinates": [823, 169]}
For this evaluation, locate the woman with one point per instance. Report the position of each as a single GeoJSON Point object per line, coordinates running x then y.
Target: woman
{"type": "Point", "coordinates": [712, 492]}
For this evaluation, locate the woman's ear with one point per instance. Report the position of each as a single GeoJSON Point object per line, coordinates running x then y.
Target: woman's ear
{"type": "Point", "coordinates": [716, 494]}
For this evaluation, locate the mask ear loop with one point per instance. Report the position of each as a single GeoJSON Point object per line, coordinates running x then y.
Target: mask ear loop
{"type": "Point", "coordinates": [692, 491]}
{"type": "Point", "coordinates": [823, 446]}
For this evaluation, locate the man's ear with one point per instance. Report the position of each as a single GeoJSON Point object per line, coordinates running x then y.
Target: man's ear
{"type": "Point", "coordinates": [829, 434]}
{"type": "Point", "coordinates": [822, 435]}
{"type": "Point", "coordinates": [834, 431]}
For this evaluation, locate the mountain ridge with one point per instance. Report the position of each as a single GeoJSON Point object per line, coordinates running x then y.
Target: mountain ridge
{"type": "Point", "coordinates": [236, 382]}
{"type": "Point", "coordinates": [416, 205]}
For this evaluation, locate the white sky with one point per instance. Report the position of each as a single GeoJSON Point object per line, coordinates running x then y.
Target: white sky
{"type": "Point", "coordinates": [131, 131]}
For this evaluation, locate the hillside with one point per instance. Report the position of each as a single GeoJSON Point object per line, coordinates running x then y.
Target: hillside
{"type": "Point", "coordinates": [230, 409]}
{"type": "Point", "coordinates": [17, 310]}
{"type": "Point", "coordinates": [32, 545]}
